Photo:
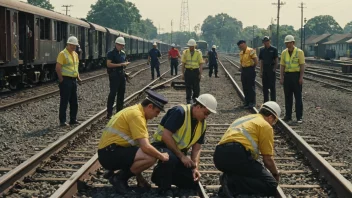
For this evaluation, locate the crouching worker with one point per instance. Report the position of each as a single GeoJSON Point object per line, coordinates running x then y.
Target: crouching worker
{"type": "Point", "coordinates": [183, 127]}
{"type": "Point", "coordinates": [238, 150]}
{"type": "Point", "coordinates": [125, 146]}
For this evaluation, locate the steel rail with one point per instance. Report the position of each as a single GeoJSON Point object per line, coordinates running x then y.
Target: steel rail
{"type": "Point", "coordinates": [340, 184]}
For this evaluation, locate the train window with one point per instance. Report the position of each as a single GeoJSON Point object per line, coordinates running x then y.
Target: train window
{"type": "Point", "coordinates": [41, 23]}
{"type": "Point", "coordinates": [55, 31]}
{"type": "Point", "coordinates": [47, 29]}
{"type": "Point", "coordinates": [59, 31]}
{"type": "Point", "coordinates": [15, 24]}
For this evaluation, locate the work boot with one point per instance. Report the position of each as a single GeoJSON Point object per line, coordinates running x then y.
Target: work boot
{"type": "Point", "coordinates": [225, 191]}
{"type": "Point", "coordinates": [216, 76]}
{"type": "Point", "coordinates": [73, 122]}
{"type": "Point", "coordinates": [119, 181]}
{"type": "Point", "coordinates": [108, 174]}
{"type": "Point", "coordinates": [142, 183]}
{"type": "Point", "coordinates": [166, 193]}
{"type": "Point", "coordinates": [64, 124]}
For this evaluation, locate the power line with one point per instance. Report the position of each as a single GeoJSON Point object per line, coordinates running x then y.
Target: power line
{"type": "Point", "coordinates": [67, 6]}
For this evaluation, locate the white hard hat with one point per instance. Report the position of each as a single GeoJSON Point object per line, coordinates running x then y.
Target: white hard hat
{"type": "Point", "coordinates": [173, 45]}
{"type": "Point", "coordinates": [120, 40]}
{"type": "Point", "coordinates": [208, 101]}
{"type": "Point", "coordinates": [72, 40]}
{"type": "Point", "coordinates": [155, 43]}
{"type": "Point", "coordinates": [273, 107]}
{"type": "Point", "coordinates": [214, 46]}
{"type": "Point", "coordinates": [191, 42]}
{"type": "Point", "coordinates": [289, 38]}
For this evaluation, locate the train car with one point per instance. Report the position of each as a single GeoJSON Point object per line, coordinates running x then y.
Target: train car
{"type": "Point", "coordinates": [30, 40]}
{"type": "Point", "coordinates": [140, 50]}
{"type": "Point", "coordinates": [145, 48]}
{"type": "Point", "coordinates": [110, 39]}
{"type": "Point", "coordinates": [203, 47]}
{"type": "Point", "coordinates": [128, 44]}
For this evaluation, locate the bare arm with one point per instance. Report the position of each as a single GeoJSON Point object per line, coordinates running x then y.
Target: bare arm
{"type": "Point", "coordinates": [171, 144]}
{"type": "Point", "coordinates": [58, 69]}
{"type": "Point", "coordinates": [195, 155]}
{"type": "Point", "coordinates": [183, 68]}
{"type": "Point", "coordinates": [282, 71]}
{"type": "Point", "coordinates": [200, 68]}
{"type": "Point", "coordinates": [270, 164]}
{"type": "Point", "coordinates": [255, 61]}
{"type": "Point", "coordinates": [301, 73]}
{"type": "Point", "coordinates": [112, 65]}
{"type": "Point", "coordinates": [276, 63]}
{"type": "Point", "coordinates": [149, 149]}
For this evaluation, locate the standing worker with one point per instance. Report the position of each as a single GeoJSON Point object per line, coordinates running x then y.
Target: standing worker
{"type": "Point", "coordinates": [238, 150]}
{"type": "Point", "coordinates": [213, 61]}
{"type": "Point", "coordinates": [116, 61]}
{"type": "Point", "coordinates": [174, 55]}
{"type": "Point", "coordinates": [268, 57]}
{"type": "Point", "coordinates": [192, 62]}
{"type": "Point", "coordinates": [183, 127]}
{"type": "Point", "coordinates": [249, 61]}
{"type": "Point", "coordinates": [153, 60]}
{"type": "Point", "coordinates": [67, 72]}
{"type": "Point", "coordinates": [125, 146]}
{"type": "Point", "coordinates": [291, 76]}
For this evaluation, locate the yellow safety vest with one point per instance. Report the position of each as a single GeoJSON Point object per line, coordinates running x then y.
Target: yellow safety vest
{"type": "Point", "coordinates": [192, 62]}
{"type": "Point", "coordinates": [291, 62]}
{"type": "Point", "coordinates": [182, 136]}
{"type": "Point", "coordinates": [70, 69]}
{"type": "Point", "coordinates": [246, 57]}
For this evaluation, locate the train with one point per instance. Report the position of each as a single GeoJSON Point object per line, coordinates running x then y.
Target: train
{"type": "Point", "coordinates": [31, 38]}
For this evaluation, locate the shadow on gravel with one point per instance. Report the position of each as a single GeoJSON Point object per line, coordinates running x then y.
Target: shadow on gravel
{"type": "Point", "coordinates": [38, 133]}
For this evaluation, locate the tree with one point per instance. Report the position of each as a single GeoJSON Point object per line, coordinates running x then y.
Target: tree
{"type": "Point", "coordinates": [41, 3]}
{"type": "Point", "coordinates": [322, 24]}
{"type": "Point", "coordinates": [348, 28]}
{"type": "Point", "coordinates": [284, 31]}
{"type": "Point", "coordinates": [116, 14]}
{"type": "Point", "coordinates": [145, 29]}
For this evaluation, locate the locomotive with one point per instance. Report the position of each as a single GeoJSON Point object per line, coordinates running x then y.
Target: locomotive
{"type": "Point", "coordinates": [31, 38]}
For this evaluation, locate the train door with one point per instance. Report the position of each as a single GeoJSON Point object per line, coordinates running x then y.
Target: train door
{"type": "Point", "coordinates": [36, 38]}
{"type": "Point", "coordinates": [12, 35]}
{"type": "Point", "coordinates": [3, 32]}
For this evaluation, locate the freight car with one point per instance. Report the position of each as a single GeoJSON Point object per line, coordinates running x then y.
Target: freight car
{"type": "Point", "coordinates": [31, 38]}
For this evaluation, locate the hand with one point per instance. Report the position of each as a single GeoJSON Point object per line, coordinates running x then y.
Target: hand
{"type": "Point", "coordinates": [240, 69]}
{"type": "Point", "coordinates": [79, 81]}
{"type": "Point", "coordinates": [164, 157]}
{"type": "Point", "coordinates": [281, 81]}
{"type": "Point", "coordinates": [277, 176]}
{"type": "Point", "coordinates": [196, 175]}
{"type": "Point", "coordinates": [200, 76]}
{"type": "Point", "coordinates": [187, 162]}
{"type": "Point", "coordinates": [60, 80]}
{"type": "Point", "coordinates": [182, 77]}
{"type": "Point", "coordinates": [261, 75]}
{"type": "Point", "coordinates": [274, 70]}
{"type": "Point", "coordinates": [300, 81]}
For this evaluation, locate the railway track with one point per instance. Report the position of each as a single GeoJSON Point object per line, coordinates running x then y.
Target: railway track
{"type": "Point", "coordinates": [40, 92]}
{"type": "Point", "coordinates": [78, 172]}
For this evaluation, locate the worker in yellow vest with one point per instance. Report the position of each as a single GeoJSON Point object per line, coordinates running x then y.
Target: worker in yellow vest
{"type": "Point", "coordinates": [291, 76]}
{"type": "Point", "coordinates": [67, 72]}
{"type": "Point", "coordinates": [183, 127]}
{"type": "Point", "coordinates": [124, 144]}
{"type": "Point", "coordinates": [238, 150]}
{"type": "Point", "coordinates": [192, 68]}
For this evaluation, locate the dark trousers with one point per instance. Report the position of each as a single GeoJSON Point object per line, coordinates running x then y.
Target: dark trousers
{"type": "Point", "coordinates": [68, 94]}
{"type": "Point", "coordinates": [156, 67]}
{"type": "Point", "coordinates": [292, 87]}
{"type": "Point", "coordinates": [117, 87]}
{"type": "Point", "coordinates": [192, 84]}
{"type": "Point", "coordinates": [248, 84]}
{"type": "Point", "coordinates": [213, 67]}
{"type": "Point", "coordinates": [174, 65]}
{"type": "Point", "coordinates": [269, 82]}
{"type": "Point", "coordinates": [172, 172]}
{"type": "Point", "coordinates": [245, 175]}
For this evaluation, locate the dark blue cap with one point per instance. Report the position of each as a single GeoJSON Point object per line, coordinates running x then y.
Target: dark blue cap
{"type": "Point", "coordinates": [157, 99]}
{"type": "Point", "coordinates": [240, 42]}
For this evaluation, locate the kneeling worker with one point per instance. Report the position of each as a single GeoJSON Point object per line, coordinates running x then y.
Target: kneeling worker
{"type": "Point", "coordinates": [181, 128]}
{"type": "Point", "coordinates": [125, 146]}
{"type": "Point", "coordinates": [238, 150]}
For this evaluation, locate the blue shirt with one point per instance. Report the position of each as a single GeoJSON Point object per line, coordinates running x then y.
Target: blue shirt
{"type": "Point", "coordinates": [174, 119]}
{"type": "Point", "coordinates": [116, 57]}
{"type": "Point", "coordinates": [154, 54]}
{"type": "Point", "coordinates": [213, 55]}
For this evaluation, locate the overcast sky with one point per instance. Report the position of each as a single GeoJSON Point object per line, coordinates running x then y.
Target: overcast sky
{"type": "Point", "coordinates": [250, 12]}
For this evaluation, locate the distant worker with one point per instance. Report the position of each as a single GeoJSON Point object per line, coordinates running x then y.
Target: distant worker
{"type": "Point", "coordinates": [174, 55]}
{"type": "Point", "coordinates": [124, 144]}
{"type": "Point", "coordinates": [153, 60]}
{"type": "Point", "coordinates": [116, 61]}
{"type": "Point", "coordinates": [183, 127]}
{"type": "Point", "coordinates": [192, 68]}
{"type": "Point", "coordinates": [249, 61]}
{"type": "Point", "coordinates": [268, 57]}
{"type": "Point", "coordinates": [67, 72]}
{"type": "Point", "coordinates": [213, 61]}
{"type": "Point", "coordinates": [239, 148]}
{"type": "Point", "coordinates": [291, 76]}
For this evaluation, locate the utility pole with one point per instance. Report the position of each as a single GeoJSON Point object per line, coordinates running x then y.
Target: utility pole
{"type": "Point", "coordinates": [67, 6]}
{"type": "Point", "coordinates": [171, 31]}
{"type": "Point", "coordinates": [184, 21]}
{"type": "Point", "coordinates": [253, 38]}
{"type": "Point", "coordinates": [302, 7]}
{"type": "Point", "coordinates": [279, 4]}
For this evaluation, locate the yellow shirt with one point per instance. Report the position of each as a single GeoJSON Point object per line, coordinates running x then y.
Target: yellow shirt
{"type": "Point", "coordinates": [130, 123]}
{"type": "Point", "coordinates": [192, 62]}
{"type": "Point", "coordinates": [296, 59]}
{"type": "Point", "coordinates": [247, 57]}
{"type": "Point", "coordinates": [259, 130]}
{"type": "Point", "coordinates": [69, 64]}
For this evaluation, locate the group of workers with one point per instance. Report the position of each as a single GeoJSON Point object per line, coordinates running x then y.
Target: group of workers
{"type": "Point", "coordinates": [292, 66]}
{"type": "Point", "coordinates": [125, 145]}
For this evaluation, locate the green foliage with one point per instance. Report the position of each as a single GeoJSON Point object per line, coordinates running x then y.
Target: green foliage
{"type": "Point", "coordinates": [145, 29]}
{"type": "Point", "coordinates": [41, 3]}
{"type": "Point", "coordinates": [179, 38]}
{"type": "Point", "coordinates": [348, 28]}
{"type": "Point", "coordinates": [322, 24]}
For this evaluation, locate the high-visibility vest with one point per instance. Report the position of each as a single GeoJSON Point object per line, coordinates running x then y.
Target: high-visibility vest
{"type": "Point", "coordinates": [291, 62]}
{"type": "Point", "coordinates": [192, 62]}
{"type": "Point", "coordinates": [245, 57]}
{"type": "Point", "coordinates": [70, 69]}
{"type": "Point", "coordinates": [183, 135]}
